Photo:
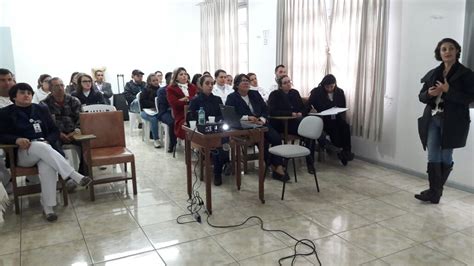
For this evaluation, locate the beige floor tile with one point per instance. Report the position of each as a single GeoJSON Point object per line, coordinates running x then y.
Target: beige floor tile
{"type": "Point", "coordinates": [371, 188]}
{"type": "Point", "coordinates": [468, 231]}
{"type": "Point", "coordinates": [416, 227]}
{"type": "Point", "coordinates": [406, 201]}
{"type": "Point", "coordinates": [374, 210]}
{"type": "Point", "coordinates": [341, 195]}
{"type": "Point", "coordinates": [248, 242]}
{"type": "Point", "coordinates": [226, 217]}
{"type": "Point", "coordinates": [94, 208]}
{"type": "Point", "coordinates": [337, 219]}
{"type": "Point", "coordinates": [10, 242]}
{"type": "Point", "coordinates": [333, 250]}
{"type": "Point", "coordinates": [375, 263]}
{"type": "Point", "coordinates": [32, 218]}
{"type": "Point", "coordinates": [272, 258]}
{"type": "Point", "coordinates": [12, 259]}
{"type": "Point", "coordinates": [171, 233]}
{"type": "Point", "coordinates": [51, 234]}
{"type": "Point", "coordinates": [457, 245]}
{"type": "Point", "coordinates": [107, 223]}
{"type": "Point", "coordinates": [68, 253]}
{"type": "Point", "coordinates": [299, 227]}
{"type": "Point", "coordinates": [270, 210]}
{"type": "Point", "coordinates": [147, 258]}
{"type": "Point", "coordinates": [449, 216]}
{"type": "Point", "coordinates": [463, 203]}
{"type": "Point", "coordinates": [377, 240]}
{"type": "Point", "coordinates": [402, 181]}
{"type": "Point", "coordinates": [204, 251]}
{"type": "Point", "coordinates": [157, 213]}
{"type": "Point", "coordinates": [420, 255]}
{"type": "Point", "coordinates": [11, 221]}
{"type": "Point", "coordinates": [146, 198]}
{"type": "Point", "coordinates": [117, 245]}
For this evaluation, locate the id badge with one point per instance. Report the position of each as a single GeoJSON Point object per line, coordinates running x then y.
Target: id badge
{"type": "Point", "coordinates": [37, 128]}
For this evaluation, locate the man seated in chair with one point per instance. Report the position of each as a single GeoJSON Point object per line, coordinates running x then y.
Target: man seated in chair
{"type": "Point", "coordinates": [31, 127]}
{"type": "Point", "coordinates": [65, 110]}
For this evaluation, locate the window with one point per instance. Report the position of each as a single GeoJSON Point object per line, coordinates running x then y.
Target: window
{"type": "Point", "coordinates": [243, 37]}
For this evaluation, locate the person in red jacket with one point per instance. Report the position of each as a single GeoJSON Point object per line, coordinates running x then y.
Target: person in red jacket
{"type": "Point", "coordinates": [179, 93]}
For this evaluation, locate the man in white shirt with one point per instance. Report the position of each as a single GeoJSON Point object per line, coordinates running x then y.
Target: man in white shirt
{"type": "Point", "coordinates": [221, 89]}
{"type": "Point", "coordinates": [280, 71]}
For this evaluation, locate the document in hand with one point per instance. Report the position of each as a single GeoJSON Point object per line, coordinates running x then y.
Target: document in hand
{"type": "Point", "coordinates": [332, 111]}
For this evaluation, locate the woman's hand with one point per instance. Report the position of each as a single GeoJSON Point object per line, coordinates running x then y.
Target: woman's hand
{"type": "Point", "coordinates": [252, 119]}
{"type": "Point", "coordinates": [434, 91]}
{"type": "Point", "coordinates": [443, 86]}
{"type": "Point", "coordinates": [184, 99]}
{"type": "Point", "coordinates": [23, 143]}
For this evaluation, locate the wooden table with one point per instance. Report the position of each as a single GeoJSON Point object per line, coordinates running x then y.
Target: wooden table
{"type": "Point", "coordinates": [208, 142]}
{"type": "Point", "coordinates": [285, 125]}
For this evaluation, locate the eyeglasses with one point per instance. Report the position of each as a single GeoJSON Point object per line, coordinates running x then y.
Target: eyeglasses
{"type": "Point", "coordinates": [287, 82]}
{"type": "Point", "coordinates": [208, 83]}
{"type": "Point", "coordinates": [99, 75]}
{"type": "Point", "coordinates": [86, 81]}
{"type": "Point", "coordinates": [244, 80]}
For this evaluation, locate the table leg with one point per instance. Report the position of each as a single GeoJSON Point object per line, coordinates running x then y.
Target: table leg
{"type": "Point", "coordinates": [238, 172]}
{"type": "Point", "coordinates": [261, 165]}
{"type": "Point", "coordinates": [285, 133]}
{"type": "Point", "coordinates": [207, 178]}
{"type": "Point", "coordinates": [187, 150]}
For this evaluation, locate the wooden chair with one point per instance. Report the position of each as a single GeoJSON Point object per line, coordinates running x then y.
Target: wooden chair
{"type": "Point", "coordinates": [103, 143]}
{"type": "Point", "coordinates": [17, 171]}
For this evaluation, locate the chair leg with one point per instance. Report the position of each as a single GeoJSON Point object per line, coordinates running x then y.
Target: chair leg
{"type": "Point", "coordinates": [244, 158]}
{"type": "Point", "coordinates": [134, 178]}
{"type": "Point", "coordinates": [315, 177]}
{"type": "Point", "coordinates": [64, 190]}
{"type": "Point", "coordinates": [294, 170]}
{"type": "Point", "coordinates": [91, 191]}
{"type": "Point", "coordinates": [283, 191]}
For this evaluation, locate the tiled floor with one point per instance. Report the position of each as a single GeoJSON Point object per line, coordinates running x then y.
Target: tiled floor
{"type": "Point", "coordinates": [364, 215]}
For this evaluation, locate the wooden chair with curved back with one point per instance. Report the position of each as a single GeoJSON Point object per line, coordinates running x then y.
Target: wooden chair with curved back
{"type": "Point", "coordinates": [103, 143]}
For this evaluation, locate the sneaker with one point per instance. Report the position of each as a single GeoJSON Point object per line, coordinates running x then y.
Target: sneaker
{"type": "Point", "coordinates": [85, 181]}
{"type": "Point", "coordinates": [157, 143]}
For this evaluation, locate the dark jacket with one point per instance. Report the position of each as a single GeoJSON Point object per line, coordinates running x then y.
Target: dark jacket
{"type": "Point", "coordinates": [94, 97]}
{"type": "Point", "coordinates": [10, 130]}
{"type": "Point", "coordinates": [319, 99]}
{"type": "Point", "coordinates": [66, 117]}
{"type": "Point", "coordinates": [147, 97]}
{"type": "Point", "coordinates": [131, 90]}
{"type": "Point", "coordinates": [211, 105]}
{"type": "Point", "coordinates": [456, 118]}
{"type": "Point", "coordinates": [163, 105]}
{"type": "Point", "coordinates": [241, 107]}
{"type": "Point", "coordinates": [284, 104]}
{"type": "Point", "coordinates": [106, 91]}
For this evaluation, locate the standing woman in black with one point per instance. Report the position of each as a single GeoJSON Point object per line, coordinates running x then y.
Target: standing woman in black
{"type": "Point", "coordinates": [326, 96]}
{"type": "Point", "coordinates": [447, 91]}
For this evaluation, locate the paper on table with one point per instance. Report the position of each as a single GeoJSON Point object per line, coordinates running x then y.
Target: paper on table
{"type": "Point", "coordinates": [332, 111]}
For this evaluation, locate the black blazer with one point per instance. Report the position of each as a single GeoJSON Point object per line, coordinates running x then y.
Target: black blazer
{"type": "Point", "coordinates": [456, 105]}
{"type": "Point", "coordinates": [241, 107]}
{"type": "Point", "coordinates": [163, 105]}
{"type": "Point", "coordinates": [320, 100]}
{"type": "Point", "coordinates": [106, 91]}
{"type": "Point", "coordinates": [147, 97]}
{"type": "Point", "coordinates": [94, 97]}
{"type": "Point", "coordinates": [282, 104]}
{"type": "Point", "coordinates": [211, 105]}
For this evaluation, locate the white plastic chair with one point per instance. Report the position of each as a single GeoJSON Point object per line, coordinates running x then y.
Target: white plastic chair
{"type": "Point", "coordinates": [310, 127]}
{"type": "Point", "coordinates": [94, 108]}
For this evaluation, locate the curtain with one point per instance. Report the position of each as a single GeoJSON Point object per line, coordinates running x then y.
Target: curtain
{"type": "Point", "coordinates": [302, 41]}
{"type": "Point", "coordinates": [467, 53]}
{"type": "Point", "coordinates": [219, 35]}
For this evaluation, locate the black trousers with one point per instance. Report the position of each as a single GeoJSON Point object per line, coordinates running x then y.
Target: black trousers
{"type": "Point", "coordinates": [219, 158]}
{"type": "Point", "coordinates": [339, 132]}
{"type": "Point", "coordinates": [168, 120]}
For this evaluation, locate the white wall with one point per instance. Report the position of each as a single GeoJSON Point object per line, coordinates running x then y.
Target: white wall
{"type": "Point", "coordinates": [415, 28]}
{"type": "Point", "coordinates": [59, 37]}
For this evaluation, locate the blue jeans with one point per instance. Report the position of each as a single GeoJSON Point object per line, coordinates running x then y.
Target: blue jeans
{"type": "Point", "coordinates": [435, 153]}
{"type": "Point", "coordinates": [153, 119]}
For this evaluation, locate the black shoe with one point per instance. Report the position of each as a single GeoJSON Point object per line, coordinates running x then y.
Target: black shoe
{"type": "Point", "coordinates": [349, 156]}
{"type": "Point", "coordinates": [424, 196]}
{"type": "Point", "coordinates": [227, 169]}
{"type": "Point", "coordinates": [311, 169]}
{"type": "Point", "coordinates": [282, 178]}
{"type": "Point", "coordinates": [140, 125]}
{"type": "Point", "coordinates": [342, 158]}
{"type": "Point", "coordinates": [217, 180]}
{"type": "Point", "coordinates": [171, 148]}
{"type": "Point", "coordinates": [85, 181]}
{"type": "Point", "coordinates": [50, 217]}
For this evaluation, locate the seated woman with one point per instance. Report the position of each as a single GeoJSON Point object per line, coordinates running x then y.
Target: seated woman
{"type": "Point", "coordinates": [147, 100]}
{"type": "Point", "coordinates": [31, 127]}
{"type": "Point", "coordinates": [286, 101]}
{"type": "Point", "coordinates": [251, 107]}
{"type": "Point", "coordinates": [43, 88]}
{"type": "Point", "coordinates": [179, 93]}
{"type": "Point", "coordinates": [164, 115]}
{"type": "Point", "coordinates": [326, 96]}
{"type": "Point", "coordinates": [211, 105]}
{"type": "Point", "coordinates": [85, 93]}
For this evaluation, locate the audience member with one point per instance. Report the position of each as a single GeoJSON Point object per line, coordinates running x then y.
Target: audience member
{"type": "Point", "coordinates": [100, 85]}
{"type": "Point", "coordinates": [195, 80]}
{"type": "Point", "coordinates": [164, 114]}
{"type": "Point", "coordinates": [179, 93]}
{"type": "Point", "coordinates": [159, 75]}
{"type": "Point", "coordinates": [85, 93]}
{"type": "Point", "coordinates": [221, 89]}
{"type": "Point", "coordinates": [229, 79]}
{"type": "Point", "coordinates": [71, 87]}
{"type": "Point", "coordinates": [168, 78]}
{"type": "Point", "coordinates": [251, 107]}
{"type": "Point", "coordinates": [6, 82]}
{"type": "Point", "coordinates": [211, 105]}
{"type": "Point", "coordinates": [280, 71]}
{"type": "Point", "coordinates": [132, 88]}
{"type": "Point", "coordinates": [326, 96]}
{"type": "Point", "coordinates": [31, 127]}
{"type": "Point", "coordinates": [43, 89]}
{"type": "Point", "coordinates": [147, 100]}
{"type": "Point", "coordinates": [254, 86]}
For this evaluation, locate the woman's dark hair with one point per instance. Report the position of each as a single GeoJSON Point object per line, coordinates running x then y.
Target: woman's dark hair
{"type": "Point", "coordinates": [238, 80]}
{"type": "Point", "coordinates": [280, 80]}
{"type": "Point", "coordinates": [251, 74]}
{"type": "Point", "coordinates": [445, 40]}
{"type": "Point", "coordinates": [174, 77]}
{"type": "Point", "coordinates": [41, 79]}
{"type": "Point", "coordinates": [328, 80]}
{"type": "Point", "coordinates": [79, 81]}
{"type": "Point", "coordinates": [168, 77]}
{"type": "Point", "coordinates": [148, 80]}
{"type": "Point", "coordinates": [203, 78]}
{"type": "Point", "coordinates": [71, 81]}
{"type": "Point", "coordinates": [19, 87]}
{"type": "Point", "coordinates": [196, 78]}
{"type": "Point", "coordinates": [206, 73]}
{"type": "Point", "coordinates": [216, 74]}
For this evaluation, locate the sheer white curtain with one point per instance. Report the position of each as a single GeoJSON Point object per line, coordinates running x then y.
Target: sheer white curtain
{"type": "Point", "coordinates": [302, 41]}
{"type": "Point", "coordinates": [219, 35]}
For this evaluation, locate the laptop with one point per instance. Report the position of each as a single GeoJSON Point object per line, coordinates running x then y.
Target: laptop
{"type": "Point", "coordinates": [233, 119]}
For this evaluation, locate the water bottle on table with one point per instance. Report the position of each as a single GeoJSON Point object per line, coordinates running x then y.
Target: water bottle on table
{"type": "Point", "coordinates": [201, 116]}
